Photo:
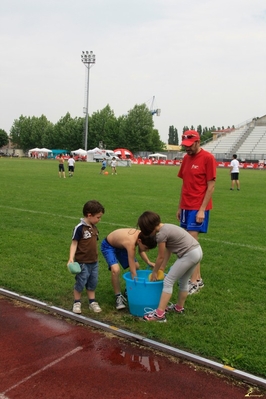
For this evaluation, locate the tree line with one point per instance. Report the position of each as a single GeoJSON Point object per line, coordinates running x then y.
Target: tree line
{"type": "Point", "coordinates": [134, 131]}
{"type": "Point", "coordinates": [205, 133]}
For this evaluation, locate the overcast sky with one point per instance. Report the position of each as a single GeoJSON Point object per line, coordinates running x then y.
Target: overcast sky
{"type": "Point", "coordinates": [203, 61]}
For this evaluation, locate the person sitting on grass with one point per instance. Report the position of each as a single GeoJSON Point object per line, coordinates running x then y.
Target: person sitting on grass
{"type": "Point", "coordinates": [120, 247]}
{"type": "Point", "coordinates": [171, 239]}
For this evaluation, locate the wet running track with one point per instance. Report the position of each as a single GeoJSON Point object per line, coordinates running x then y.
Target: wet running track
{"type": "Point", "coordinates": [45, 356]}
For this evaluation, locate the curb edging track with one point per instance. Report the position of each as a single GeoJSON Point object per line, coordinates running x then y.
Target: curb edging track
{"type": "Point", "coordinates": [240, 375]}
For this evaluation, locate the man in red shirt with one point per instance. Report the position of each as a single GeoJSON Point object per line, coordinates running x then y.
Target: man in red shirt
{"type": "Point", "coordinates": [198, 172]}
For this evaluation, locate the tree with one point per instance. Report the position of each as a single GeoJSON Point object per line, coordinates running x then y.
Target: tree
{"type": "Point", "coordinates": [3, 138]}
{"type": "Point", "coordinates": [173, 136]}
{"type": "Point", "coordinates": [103, 128]}
{"type": "Point", "coordinates": [68, 133]}
{"type": "Point", "coordinates": [139, 127]}
{"type": "Point", "coordinates": [199, 130]}
{"type": "Point", "coordinates": [27, 132]}
{"type": "Point", "coordinates": [157, 144]}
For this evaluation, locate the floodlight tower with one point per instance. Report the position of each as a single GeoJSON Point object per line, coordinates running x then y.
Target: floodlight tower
{"type": "Point", "coordinates": [88, 59]}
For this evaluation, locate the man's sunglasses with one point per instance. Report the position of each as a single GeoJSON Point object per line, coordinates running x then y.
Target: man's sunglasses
{"type": "Point", "coordinates": [188, 136]}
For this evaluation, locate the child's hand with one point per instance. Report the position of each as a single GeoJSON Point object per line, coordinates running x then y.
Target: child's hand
{"type": "Point", "coordinates": [153, 276]}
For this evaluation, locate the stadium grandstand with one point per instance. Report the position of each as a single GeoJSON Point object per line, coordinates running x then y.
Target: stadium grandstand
{"type": "Point", "coordinates": [247, 140]}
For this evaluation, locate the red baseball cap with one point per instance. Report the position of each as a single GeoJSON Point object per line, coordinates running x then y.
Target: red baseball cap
{"type": "Point", "coordinates": [189, 137]}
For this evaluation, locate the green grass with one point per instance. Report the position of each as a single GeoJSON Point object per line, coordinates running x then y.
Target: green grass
{"type": "Point", "coordinates": [224, 322]}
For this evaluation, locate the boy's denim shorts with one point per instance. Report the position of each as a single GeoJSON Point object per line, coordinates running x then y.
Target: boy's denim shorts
{"type": "Point", "coordinates": [88, 277]}
{"type": "Point", "coordinates": [188, 221]}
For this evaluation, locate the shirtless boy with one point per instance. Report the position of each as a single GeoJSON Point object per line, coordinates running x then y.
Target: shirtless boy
{"type": "Point", "coordinates": [120, 247]}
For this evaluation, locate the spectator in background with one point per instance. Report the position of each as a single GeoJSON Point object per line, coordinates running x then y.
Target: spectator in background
{"type": "Point", "coordinates": [61, 171]}
{"type": "Point", "coordinates": [71, 165]}
{"type": "Point", "coordinates": [113, 165]}
{"type": "Point", "coordinates": [234, 173]}
{"type": "Point", "coordinates": [103, 167]}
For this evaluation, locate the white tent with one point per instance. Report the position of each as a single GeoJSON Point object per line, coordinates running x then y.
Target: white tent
{"type": "Point", "coordinates": [35, 149]}
{"type": "Point", "coordinates": [157, 156]}
{"type": "Point", "coordinates": [94, 150]}
{"type": "Point", "coordinates": [43, 150]}
{"type": "Point", "coordinates": [80, 151]}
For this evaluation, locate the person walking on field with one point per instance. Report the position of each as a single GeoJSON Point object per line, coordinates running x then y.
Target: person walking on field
{"type": "Point", "coordinates": [198, 172]}
{"type": "Point", "coordinates": [71, 166]}
{"type": "Point", "coordinates": [234, 172]}
{"type": "Point", "coordinates": [61, 171]}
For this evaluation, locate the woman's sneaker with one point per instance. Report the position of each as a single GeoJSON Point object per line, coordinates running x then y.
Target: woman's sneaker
{"type": "Point", "coordinates": [76, 308]}
{"type": "Point", "coordinates": [200, 283]}
{"type": "Point", "coordinates": [120, 302]}
{"type": "Point", "coordinates": [152, 316]}
{"type": "Point", "coordinates": [95, 307]}
{"type": "Point", "coordinates": [192, 288]}
{"type": "Point", "coordinates": [172, 308]}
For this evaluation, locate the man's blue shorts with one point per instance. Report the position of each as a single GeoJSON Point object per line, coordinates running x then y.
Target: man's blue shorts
{"type": "Point", "coordinates": [114, 255]}
{"type": "Point", "coordinates": [188, 221]}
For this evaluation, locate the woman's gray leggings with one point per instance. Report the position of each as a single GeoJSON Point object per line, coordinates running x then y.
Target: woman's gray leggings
{"type": "Point", "coordinates": [182, 270]}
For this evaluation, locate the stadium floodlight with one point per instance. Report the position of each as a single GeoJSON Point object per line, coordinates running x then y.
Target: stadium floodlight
{"type": "Point", "coordinates": [88, 59]}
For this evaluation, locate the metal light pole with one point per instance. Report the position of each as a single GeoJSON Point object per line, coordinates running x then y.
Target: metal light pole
{"type": "Point", "coordinates": [88, 58]}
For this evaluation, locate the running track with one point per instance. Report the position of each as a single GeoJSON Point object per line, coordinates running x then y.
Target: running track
{"type": "Point", "coordinates": [45, 356]}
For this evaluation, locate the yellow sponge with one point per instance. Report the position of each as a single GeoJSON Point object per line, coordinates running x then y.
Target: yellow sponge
{"type": "Point", "coordinates": [160, 275]}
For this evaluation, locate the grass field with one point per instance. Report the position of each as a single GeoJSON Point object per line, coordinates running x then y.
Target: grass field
{"type": "Point", "coordinates": [224, 322]}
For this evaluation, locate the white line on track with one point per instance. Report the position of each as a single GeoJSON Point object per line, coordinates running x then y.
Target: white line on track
{"type": "Point", "coordinates": [236, 244]}
{"type": "Point", "coordinates": [79, 348]}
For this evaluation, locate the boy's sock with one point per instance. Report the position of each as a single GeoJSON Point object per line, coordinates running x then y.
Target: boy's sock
{"type": "Point", "coordinates": [91, 300]}
{"type": "Point", "coordinates": [77, 300]}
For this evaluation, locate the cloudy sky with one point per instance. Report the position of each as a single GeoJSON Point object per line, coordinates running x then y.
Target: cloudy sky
{"type": "Point", "coordinates": [199, 61]}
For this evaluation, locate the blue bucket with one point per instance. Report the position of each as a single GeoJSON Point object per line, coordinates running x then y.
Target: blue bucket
{"type": "Point", "coordinates": [141, 293]}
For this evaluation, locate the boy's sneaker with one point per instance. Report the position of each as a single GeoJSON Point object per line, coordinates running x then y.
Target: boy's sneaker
{"type": "Point", "coordinates": [95, 307]}
{"type": "Point", "coordinates": [120, 302]}
{"type": "Point", "coordinates": [193, 288]}
{"type": "Point", "coordinates": [200, 283]}
{"type": "Point", "coordinates": [76, 308]}
{"type": "Point", "coordinates": [172, 307]}
{"type": "Point", "coordinates": [152, 316]}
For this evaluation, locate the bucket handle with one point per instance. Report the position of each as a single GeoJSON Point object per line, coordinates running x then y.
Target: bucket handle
{"type": "Point", "coordinates": [139, 279]}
